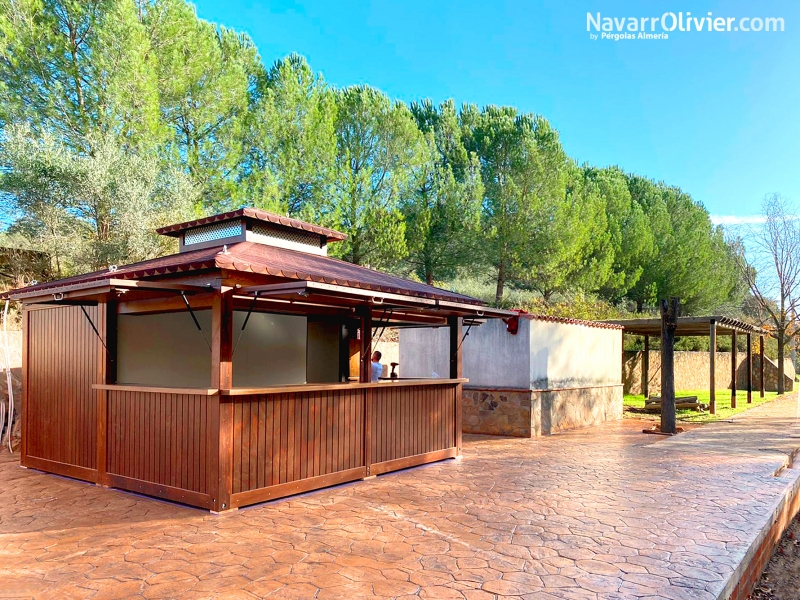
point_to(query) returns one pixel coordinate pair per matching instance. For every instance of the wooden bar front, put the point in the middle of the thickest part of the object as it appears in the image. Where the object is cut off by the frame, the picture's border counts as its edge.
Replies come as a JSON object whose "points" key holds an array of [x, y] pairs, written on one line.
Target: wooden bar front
{"points": [[219, 448], [281, 443]]}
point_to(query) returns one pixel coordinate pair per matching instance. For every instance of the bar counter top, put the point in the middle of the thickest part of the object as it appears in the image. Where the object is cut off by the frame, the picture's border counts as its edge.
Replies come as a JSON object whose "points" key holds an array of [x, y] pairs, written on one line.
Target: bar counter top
{"points": [[280, 389]]}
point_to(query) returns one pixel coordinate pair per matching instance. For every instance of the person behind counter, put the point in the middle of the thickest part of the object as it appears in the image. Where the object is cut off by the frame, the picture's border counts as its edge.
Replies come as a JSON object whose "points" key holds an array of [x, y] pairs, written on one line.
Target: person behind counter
{"points": [[376, 368]]}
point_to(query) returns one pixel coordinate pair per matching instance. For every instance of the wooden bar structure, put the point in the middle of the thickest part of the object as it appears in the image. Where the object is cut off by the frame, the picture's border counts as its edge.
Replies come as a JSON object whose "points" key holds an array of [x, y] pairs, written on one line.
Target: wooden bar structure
{"points": [[704, 326], [216, 444]]}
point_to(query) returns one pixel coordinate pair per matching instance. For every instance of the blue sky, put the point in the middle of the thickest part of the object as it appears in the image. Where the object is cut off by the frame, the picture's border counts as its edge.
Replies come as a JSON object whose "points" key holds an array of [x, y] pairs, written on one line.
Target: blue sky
{"points": [[714, 113]]}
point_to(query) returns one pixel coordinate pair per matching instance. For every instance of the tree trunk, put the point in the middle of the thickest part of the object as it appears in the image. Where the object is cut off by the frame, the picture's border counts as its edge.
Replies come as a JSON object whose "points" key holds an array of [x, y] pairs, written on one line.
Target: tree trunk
{"points": [[781, 368], [669, 323], [501, 282]]}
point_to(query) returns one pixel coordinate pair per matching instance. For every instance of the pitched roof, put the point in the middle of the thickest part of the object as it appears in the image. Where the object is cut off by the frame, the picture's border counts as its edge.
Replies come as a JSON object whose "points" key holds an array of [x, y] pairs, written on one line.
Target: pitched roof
{"points": [[259, 215], [266, 260]]}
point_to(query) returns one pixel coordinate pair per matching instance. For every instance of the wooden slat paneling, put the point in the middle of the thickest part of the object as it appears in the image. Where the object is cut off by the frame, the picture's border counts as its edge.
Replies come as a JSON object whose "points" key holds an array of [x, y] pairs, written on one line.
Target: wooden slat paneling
{"points": [[161, 439], [283, 438], [61, 407], [411, 421]]}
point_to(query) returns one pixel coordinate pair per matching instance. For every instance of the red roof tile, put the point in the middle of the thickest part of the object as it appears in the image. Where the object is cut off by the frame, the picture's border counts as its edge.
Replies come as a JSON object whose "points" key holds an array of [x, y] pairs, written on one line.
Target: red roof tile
{"points": [[568, 321], [259, 215], [267, 260], [280, 262]]}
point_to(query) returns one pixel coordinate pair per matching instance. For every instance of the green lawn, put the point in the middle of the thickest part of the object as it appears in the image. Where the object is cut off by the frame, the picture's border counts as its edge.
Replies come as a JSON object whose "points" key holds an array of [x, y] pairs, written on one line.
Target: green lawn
{"points": [[634, 406]]}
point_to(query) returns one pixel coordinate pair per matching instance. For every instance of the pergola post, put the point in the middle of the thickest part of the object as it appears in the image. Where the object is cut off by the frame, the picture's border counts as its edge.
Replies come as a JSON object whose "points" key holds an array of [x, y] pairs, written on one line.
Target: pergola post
{"points": [[646, 368], [456, 325], [107, 372], [733, 369], [365, 368], [669, 323], [761, 366], [749, 368], [222, 379], [712, 360]]}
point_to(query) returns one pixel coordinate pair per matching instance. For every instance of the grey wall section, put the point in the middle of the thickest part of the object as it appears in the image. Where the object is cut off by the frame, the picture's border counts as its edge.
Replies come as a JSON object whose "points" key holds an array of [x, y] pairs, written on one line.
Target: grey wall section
{"points": [[164, 350], [542, 355], [271, 351], [167, 350], [323, 352], [493, 358], [423, 352]]}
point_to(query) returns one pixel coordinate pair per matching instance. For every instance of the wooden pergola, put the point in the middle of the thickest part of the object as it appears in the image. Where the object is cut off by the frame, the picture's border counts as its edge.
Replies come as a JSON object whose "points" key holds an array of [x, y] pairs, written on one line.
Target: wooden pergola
{"points": [[704, 326]]}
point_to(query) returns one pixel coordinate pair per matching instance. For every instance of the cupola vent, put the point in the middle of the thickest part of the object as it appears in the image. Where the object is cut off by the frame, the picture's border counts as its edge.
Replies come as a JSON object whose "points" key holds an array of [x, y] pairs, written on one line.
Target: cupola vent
{"points": [[256, 226]]}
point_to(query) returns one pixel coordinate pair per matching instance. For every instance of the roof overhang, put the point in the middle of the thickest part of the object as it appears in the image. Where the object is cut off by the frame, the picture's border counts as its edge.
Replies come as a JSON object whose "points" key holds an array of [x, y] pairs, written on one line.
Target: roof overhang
{"points": [[690, 326], [386, 308], [91, 292]]}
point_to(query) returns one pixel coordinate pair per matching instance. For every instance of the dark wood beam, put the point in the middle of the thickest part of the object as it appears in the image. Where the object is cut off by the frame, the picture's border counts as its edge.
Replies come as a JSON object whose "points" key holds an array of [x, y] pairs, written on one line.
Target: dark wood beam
{"points": [[456, 371], [173, 303], [733, 369], [749, 368], [669, 323], [222, 412], [646, 368], [365, 352], [761, 366], [712, 368]]}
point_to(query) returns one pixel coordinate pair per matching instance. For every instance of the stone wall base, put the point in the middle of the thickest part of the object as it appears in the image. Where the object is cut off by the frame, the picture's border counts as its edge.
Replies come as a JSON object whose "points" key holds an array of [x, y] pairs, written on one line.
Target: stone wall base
{"points": [[531, 413]]}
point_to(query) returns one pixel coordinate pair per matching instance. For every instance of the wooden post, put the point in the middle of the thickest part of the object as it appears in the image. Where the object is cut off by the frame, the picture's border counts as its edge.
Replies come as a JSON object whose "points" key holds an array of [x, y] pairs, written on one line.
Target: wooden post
{"points": [[761, 366], [669, 323], [364, 375], [733, 369], [646, 368], [456, 325], [221, 379], [712, 364], [456, 372], [26, 341], [622, 356], [107, 373], [365, 367], [749, 368]]}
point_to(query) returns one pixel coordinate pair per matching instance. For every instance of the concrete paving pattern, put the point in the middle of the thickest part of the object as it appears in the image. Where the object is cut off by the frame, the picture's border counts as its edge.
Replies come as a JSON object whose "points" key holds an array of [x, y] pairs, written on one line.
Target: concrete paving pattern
{"points": [[603, 513]]}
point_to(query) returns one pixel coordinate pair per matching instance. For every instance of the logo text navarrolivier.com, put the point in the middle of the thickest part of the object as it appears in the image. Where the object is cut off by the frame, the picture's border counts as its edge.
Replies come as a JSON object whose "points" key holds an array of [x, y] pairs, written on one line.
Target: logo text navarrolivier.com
{"points": [[686, 22]]}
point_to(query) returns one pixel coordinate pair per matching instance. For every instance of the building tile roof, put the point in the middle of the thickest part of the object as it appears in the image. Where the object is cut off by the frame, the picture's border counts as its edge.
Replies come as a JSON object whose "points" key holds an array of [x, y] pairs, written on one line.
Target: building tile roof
{"points": [[266, 260], [259, 215], [568, 321]]}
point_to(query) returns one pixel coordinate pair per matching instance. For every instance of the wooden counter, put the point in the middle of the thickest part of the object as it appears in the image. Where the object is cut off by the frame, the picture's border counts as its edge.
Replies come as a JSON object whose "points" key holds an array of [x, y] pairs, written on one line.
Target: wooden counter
{"points": [[280, 389]]}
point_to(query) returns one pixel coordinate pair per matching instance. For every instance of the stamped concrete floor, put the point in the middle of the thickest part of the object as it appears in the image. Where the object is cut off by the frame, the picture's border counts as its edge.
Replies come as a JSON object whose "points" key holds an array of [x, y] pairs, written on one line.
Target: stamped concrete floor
{"points": [[601, 513]]}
